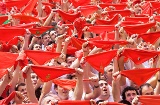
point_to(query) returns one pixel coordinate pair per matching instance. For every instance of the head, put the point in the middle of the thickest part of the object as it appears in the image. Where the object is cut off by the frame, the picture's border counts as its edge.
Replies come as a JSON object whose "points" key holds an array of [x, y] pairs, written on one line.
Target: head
{"points": [[62, 93], [48, 99], [146, 89], [104, 88], [46, 39], [129, 93], [37, 47], [21, 88], [70, 59], [53, 35], [108, 70], [34, 78]]}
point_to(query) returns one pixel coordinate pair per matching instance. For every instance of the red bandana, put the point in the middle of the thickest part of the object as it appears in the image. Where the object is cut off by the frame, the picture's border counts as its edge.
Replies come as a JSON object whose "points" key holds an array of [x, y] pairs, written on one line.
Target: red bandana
{"points": [[47, 73], [139, 56], [36, 56], [140, 76], [101, 63]]}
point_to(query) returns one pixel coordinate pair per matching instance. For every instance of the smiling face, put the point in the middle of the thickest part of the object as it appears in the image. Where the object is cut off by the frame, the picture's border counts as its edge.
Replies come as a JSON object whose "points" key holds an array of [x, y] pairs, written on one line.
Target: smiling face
{"points": [[104, 88]]}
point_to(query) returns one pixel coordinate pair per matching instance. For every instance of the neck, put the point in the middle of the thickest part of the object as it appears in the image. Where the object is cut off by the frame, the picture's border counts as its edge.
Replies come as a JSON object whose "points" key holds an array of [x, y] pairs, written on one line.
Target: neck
{"points": [[101, 97]]}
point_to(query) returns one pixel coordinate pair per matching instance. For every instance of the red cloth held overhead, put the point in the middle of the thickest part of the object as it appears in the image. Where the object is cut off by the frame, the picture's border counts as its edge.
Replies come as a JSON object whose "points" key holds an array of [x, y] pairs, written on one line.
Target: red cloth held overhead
{"points": [[106, 44], [77, 3], [137, 19], [77, 42], [126, 23], [149, 99], [25, 18], [101, 28], [88, 10], [139, 28], [47, 73], [10, 33], [121, 6], [101, 63], [36, 56], [139, 76], [18, 3], [7, 59], [3, 19], [40, 30], [107, 36], [65, 83], [68, 18], [29, 7], [123, 13], [112, 21], [71, 50], [139, 56], [3, 72], [150, 37]]}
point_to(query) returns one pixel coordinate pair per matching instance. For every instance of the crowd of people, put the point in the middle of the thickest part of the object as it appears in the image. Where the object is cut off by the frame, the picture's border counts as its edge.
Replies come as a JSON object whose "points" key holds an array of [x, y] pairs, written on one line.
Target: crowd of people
{"points": [[81, 52]]}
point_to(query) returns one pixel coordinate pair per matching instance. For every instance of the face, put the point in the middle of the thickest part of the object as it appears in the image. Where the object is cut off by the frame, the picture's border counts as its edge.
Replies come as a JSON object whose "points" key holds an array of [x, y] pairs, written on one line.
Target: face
{"points": [[63, 93], [130, 94], [147, 90], [104, 88], [49, 100], [23, 90], [34, 78], [46, 39], [37, 47], [108, 71], [53, 35], [70, 60]]}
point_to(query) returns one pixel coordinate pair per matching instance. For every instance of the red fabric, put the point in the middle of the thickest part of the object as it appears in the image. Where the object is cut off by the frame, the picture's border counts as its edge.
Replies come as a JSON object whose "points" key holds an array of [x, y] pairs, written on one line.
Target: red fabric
{"points": [[121, 6], [77, 43], [3, 19], [4, 94], [148, 9], [100, 61], [107, 36], [79, 24], [47, 73], [123, 13], [29, 104], [8, 59], [149, 99], [106, 44], [7, 46], [3, 72], [101, 28], [150, 37], [65, 83], [10, 33], [25, 18], [22, 59], [18, 3], [3, 8], [8, 99], [137, 19], [68, 18], [71, 50], [140, 76], [112, 21], [36, 56], [126, 23], [106, 1], [77, 3], [27, 26], [139, 28], [139, 56], [74, 102], [40, 30], [29, 7], [88, 10]]}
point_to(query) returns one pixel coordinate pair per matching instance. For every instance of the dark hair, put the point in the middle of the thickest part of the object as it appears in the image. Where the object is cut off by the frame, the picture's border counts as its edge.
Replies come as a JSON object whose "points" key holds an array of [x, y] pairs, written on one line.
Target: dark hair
{"points": [[127, 89], [125, 102], [18, 85], [38, 92], [141, 87]]}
